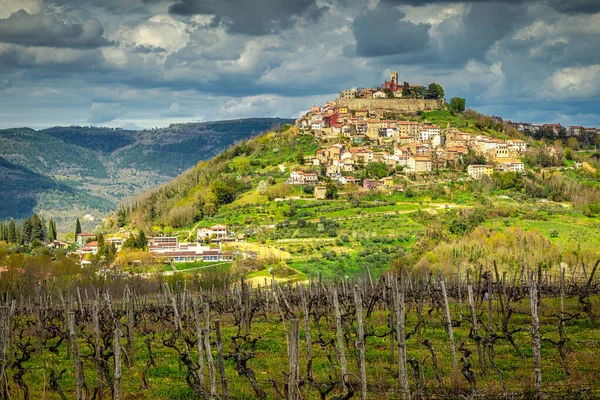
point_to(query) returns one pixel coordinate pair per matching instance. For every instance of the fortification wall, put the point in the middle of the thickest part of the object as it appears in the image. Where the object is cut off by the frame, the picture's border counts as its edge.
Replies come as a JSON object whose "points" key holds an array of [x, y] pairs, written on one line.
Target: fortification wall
{"points": [[403, 105]]}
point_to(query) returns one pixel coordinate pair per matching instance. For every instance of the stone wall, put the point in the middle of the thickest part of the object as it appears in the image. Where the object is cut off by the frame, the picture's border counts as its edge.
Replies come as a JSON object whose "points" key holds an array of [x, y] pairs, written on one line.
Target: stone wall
{"points": [[403, 105]]}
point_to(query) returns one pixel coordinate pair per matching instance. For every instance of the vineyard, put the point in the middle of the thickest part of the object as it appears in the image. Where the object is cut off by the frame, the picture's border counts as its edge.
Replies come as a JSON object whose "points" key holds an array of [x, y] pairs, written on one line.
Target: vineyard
{"points": [[485, 333]]}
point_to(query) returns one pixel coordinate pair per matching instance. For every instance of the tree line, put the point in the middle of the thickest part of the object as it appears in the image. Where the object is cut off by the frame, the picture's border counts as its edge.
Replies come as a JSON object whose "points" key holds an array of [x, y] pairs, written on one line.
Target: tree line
{"points": [[34, 229]]}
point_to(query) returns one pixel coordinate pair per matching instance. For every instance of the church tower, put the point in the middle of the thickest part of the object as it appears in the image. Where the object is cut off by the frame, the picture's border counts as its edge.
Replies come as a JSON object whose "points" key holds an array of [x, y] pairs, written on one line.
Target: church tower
{"points": [[394, 77]]}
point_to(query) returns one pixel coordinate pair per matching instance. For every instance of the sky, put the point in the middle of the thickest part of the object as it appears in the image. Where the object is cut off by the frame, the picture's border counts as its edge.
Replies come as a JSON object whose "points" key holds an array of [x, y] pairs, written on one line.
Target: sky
{"points": [[149, 63]]}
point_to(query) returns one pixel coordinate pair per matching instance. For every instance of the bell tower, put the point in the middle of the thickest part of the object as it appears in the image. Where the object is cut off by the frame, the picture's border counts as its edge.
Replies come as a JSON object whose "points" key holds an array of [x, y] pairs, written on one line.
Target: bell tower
{"points": [[394, 77]]}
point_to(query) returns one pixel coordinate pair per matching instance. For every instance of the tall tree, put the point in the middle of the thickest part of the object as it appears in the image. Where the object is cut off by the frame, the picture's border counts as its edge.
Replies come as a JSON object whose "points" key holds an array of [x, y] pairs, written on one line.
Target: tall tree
{"points": [[27, 230], [142, 241], [77, 227], [12, 232], [37, 228], [51, 230], [18, 237], [405, 89]]}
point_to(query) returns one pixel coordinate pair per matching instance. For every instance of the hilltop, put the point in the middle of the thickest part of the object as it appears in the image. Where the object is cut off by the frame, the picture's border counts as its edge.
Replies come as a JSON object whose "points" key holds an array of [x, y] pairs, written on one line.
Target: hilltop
{"points": [[65, 172], [310, 200]]}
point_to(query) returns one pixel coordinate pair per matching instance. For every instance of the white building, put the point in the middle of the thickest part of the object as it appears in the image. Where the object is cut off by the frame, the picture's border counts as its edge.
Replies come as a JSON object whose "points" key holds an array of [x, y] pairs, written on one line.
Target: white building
{"points": [[517, 145], [429, 131], [511, 166], [216, 231], [419, 164], [477, 171]]}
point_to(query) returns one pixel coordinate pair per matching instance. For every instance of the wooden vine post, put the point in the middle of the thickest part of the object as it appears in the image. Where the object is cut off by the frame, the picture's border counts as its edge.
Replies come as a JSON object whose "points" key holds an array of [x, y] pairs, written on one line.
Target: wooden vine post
{"points": [[78, 375], [449, 330], [360, 343], [224, 390], [401, 336], [535, 336], [340, 338], [293, 388]]}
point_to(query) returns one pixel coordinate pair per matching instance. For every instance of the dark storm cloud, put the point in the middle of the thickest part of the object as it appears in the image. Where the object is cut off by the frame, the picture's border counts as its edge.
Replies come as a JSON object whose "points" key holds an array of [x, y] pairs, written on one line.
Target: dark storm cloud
{"points": [[471, 35], [141, 49], [112, 6], [576, 6], [383, 31], [48, 31], [562, 6], [252, 17]]}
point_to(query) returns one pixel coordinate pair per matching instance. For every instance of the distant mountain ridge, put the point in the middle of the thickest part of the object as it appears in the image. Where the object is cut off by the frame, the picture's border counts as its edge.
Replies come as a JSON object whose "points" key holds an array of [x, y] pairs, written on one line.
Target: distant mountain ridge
{"points": [[65, 172]]}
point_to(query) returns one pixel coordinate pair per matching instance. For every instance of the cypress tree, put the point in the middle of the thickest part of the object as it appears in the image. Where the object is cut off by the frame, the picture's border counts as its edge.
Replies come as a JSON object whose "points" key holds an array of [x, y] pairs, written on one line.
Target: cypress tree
{"points": [[54, 230], [18, 237], [2, 238], [77, 228], [45, 232], [27, 230], [12, 232], [142, 241], [51, 230], [37, 229]]}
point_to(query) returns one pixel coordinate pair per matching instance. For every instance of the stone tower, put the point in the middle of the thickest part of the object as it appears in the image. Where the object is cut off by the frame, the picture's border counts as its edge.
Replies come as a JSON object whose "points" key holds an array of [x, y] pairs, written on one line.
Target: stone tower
{"points": [[394, 77]]}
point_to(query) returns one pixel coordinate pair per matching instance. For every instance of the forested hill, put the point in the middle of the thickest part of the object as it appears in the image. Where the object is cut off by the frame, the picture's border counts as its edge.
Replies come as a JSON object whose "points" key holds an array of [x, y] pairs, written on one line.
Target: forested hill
{"points": [[65, 172]]}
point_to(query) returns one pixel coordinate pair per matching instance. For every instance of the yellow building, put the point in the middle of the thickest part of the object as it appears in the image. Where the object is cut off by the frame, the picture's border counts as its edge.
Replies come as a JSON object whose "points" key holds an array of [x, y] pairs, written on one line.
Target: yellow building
{"points": [[388, 181], [477, 171]]}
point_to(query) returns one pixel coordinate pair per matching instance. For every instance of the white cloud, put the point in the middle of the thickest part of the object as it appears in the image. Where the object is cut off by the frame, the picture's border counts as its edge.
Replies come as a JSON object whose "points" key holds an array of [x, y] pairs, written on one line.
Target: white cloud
{"points": [[575, 82], [10, 6], [159, 31], [105, 112]]}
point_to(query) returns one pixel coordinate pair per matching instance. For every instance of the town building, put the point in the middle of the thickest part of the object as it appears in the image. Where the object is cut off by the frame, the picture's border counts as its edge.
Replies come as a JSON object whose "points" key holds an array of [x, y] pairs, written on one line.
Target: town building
{"points": [[477, 171], [420, 164], [320, 192]]}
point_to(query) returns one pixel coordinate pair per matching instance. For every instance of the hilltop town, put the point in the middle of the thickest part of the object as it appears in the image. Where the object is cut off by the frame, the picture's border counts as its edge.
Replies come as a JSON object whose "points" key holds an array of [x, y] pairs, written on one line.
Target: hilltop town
{"points": [[391, 133]]}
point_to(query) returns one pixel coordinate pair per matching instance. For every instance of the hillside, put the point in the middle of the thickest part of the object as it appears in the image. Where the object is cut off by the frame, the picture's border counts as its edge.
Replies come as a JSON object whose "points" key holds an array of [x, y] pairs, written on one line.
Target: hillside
{"points": [[66, 172], [406, 218]]}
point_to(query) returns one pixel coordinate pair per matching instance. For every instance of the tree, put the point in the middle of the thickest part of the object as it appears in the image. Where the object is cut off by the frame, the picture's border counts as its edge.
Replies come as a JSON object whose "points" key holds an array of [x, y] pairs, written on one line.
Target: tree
{"points": [[405, 89], [573, 143], [27, 230], [434, 91], [37, 229], [300, 158], [331, 191], [142, 241], [121, 217], [457, 104], [77, 228], [224, 191], [376, 170], [568, 153], [52, 234], [12, 232]]}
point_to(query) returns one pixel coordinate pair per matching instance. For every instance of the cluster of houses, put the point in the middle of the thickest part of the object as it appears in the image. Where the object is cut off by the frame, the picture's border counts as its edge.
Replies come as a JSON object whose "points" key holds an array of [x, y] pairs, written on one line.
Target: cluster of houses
{"points": [[168, 248], [367, 136], [575, 130]]}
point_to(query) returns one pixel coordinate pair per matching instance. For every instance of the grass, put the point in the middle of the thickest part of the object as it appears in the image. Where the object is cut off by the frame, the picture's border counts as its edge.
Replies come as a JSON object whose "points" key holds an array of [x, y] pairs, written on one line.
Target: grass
{"points": [[564, 230], [198, 265], [167, 378]]}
